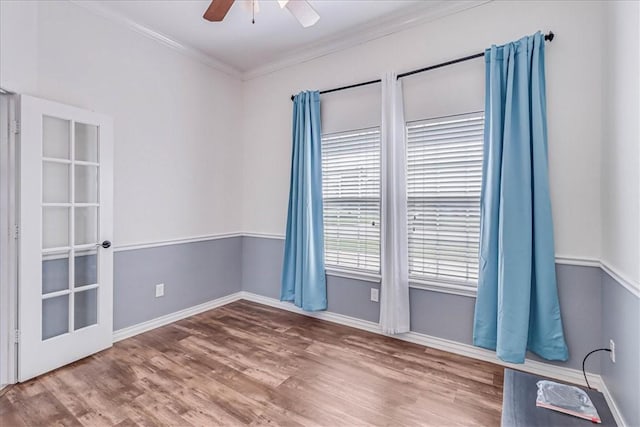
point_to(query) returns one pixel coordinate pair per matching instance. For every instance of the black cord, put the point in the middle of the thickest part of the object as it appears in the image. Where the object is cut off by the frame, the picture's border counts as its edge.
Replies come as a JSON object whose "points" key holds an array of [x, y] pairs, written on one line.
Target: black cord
{"points": [[585, 359]]}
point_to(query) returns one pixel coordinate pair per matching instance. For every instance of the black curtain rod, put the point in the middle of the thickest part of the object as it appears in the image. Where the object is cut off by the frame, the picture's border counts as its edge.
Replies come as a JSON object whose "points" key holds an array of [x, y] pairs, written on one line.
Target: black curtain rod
{"points": [[547, 37]]}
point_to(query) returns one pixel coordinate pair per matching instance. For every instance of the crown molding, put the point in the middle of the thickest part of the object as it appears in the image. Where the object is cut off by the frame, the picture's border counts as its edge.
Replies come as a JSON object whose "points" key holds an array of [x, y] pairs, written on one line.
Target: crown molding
{"points": [[363, 33], [163, 39]]}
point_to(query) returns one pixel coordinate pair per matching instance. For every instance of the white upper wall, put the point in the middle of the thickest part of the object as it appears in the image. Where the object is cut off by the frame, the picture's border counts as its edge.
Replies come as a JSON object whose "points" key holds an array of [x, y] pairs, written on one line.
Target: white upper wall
{"points": [[574, 101], [18, 46], [177, 145], [621, 142]]}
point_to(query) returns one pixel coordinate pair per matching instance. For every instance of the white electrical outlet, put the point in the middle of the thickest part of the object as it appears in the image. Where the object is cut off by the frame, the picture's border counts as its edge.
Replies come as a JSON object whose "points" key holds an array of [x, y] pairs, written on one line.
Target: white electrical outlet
{"points": [[612, 353], [159, 290], [375, 294]]}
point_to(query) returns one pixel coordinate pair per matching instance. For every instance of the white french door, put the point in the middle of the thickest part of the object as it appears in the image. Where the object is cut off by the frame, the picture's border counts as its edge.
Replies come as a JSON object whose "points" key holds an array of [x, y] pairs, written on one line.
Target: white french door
{"points": [[65, 286]]}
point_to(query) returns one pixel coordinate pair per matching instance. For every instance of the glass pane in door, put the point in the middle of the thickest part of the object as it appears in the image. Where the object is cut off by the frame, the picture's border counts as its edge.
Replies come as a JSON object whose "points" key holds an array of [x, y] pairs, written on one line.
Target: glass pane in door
{"points": [[56, 138], [55, 316], [55, 272], [86, 184], [86, 142], [55, 227], [85, 308], [86, 225], [55, 182], [85, 268]]}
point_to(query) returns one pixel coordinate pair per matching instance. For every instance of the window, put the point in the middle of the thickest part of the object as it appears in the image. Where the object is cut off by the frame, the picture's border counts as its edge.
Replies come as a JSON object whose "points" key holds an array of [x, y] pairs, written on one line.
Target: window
{"points": [[444, 174], [351, 198]]}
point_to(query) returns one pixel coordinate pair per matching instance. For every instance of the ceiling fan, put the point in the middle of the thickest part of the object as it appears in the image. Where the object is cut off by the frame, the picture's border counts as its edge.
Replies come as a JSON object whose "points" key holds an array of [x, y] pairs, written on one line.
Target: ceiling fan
{"points": [[300, 9]]}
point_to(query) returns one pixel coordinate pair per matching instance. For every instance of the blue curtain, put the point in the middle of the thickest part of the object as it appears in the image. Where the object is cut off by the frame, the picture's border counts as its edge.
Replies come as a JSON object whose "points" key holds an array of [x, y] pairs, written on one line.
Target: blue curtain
{"points": [[517, 306], [303, 275]]}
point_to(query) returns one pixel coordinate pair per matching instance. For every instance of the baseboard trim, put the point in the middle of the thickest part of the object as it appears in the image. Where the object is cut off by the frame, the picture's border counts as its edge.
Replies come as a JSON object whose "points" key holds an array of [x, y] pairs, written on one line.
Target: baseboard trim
{"points": [[322, 315], [139, 328], [615, 411]]}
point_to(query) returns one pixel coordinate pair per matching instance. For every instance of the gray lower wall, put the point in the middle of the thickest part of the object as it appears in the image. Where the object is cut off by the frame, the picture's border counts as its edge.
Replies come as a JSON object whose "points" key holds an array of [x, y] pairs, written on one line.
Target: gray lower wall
{"points": [[262, 266], [192, 273], [579, 289], [621, 323], [435, 313], [442, 315], [451, 316]]}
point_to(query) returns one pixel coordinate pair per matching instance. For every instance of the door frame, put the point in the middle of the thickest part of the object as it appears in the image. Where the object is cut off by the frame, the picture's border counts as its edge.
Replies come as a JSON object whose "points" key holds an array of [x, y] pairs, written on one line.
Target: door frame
{"points": [[9, 205]]}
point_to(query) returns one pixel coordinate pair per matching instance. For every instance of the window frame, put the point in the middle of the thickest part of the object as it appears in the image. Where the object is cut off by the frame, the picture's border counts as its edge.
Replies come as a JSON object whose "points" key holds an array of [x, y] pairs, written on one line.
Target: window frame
{"points": [[443, 285]]}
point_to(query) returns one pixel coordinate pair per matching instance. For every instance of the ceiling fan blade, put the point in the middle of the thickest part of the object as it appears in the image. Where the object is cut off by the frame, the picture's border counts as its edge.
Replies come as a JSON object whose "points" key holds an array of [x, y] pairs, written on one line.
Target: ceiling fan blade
{"points": [[217, 10], [303, 12]]}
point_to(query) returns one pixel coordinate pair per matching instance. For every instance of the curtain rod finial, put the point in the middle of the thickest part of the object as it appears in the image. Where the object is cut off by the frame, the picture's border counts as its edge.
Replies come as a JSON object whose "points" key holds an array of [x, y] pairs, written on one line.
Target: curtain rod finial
{"points": [[549, 36]]}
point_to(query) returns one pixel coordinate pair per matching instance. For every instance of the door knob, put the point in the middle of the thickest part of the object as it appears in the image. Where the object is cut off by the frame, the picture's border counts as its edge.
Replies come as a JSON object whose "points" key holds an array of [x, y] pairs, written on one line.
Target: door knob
{"points": [[106, 244]]}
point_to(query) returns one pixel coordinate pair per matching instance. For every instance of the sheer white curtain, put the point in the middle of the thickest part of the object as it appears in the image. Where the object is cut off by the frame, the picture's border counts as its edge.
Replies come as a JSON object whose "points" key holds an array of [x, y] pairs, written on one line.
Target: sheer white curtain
{"points": [[394, 302]]}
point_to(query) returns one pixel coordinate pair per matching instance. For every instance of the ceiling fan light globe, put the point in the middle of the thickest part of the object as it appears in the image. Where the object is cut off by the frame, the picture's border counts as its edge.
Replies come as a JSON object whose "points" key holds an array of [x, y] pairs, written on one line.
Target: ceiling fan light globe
{"points": [[251, 6], [303, 12]]}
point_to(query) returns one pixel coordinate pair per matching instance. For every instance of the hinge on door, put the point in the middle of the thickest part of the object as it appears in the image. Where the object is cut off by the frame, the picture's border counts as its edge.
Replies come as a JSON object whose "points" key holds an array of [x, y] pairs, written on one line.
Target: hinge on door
{"points": [[16, 336], [14, 127], [16, 232]]}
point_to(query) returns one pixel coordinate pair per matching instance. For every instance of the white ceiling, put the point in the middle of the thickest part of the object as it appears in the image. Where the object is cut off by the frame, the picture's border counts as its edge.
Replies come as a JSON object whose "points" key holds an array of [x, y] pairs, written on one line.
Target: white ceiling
{"points": [[276, 34]]}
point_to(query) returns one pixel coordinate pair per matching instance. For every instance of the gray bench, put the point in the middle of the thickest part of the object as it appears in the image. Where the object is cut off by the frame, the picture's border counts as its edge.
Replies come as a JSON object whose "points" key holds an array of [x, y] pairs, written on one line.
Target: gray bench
{"points": [[519, 405]]}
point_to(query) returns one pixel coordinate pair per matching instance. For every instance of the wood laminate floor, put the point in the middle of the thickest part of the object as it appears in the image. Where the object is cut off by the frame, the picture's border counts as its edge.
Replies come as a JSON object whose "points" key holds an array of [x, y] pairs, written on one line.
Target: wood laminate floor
{"points": [[249, 364]]}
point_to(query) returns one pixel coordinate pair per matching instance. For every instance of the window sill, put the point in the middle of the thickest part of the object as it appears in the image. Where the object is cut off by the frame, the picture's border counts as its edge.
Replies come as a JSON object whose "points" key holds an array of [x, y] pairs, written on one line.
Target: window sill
{"points": [[447, 288], [434, 286], [355, 275]]}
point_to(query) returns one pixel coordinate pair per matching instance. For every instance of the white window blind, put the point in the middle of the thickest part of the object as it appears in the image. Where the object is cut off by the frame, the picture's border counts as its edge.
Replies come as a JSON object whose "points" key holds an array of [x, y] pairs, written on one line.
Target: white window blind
{"points": [[351, 199], [444, 175]]}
